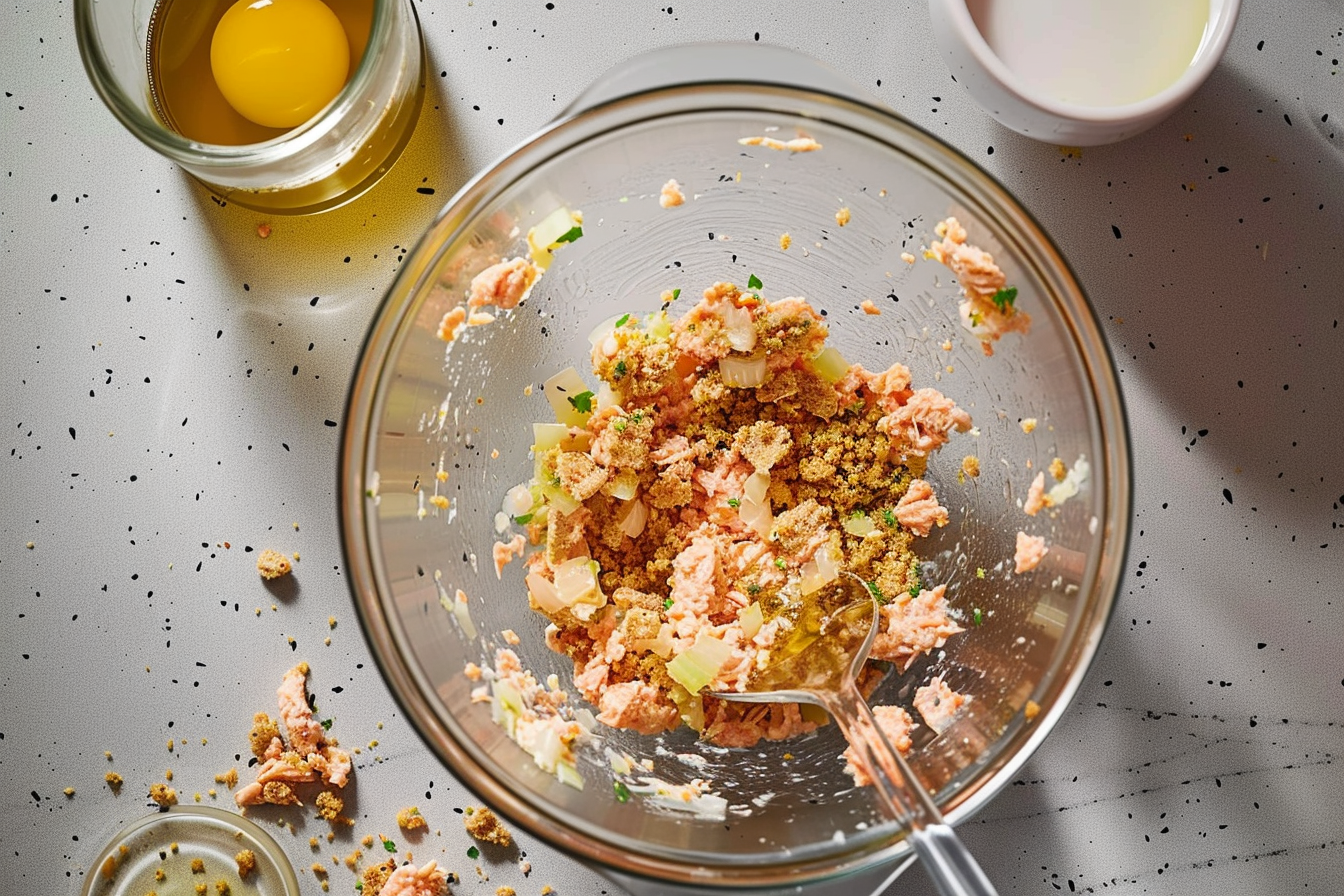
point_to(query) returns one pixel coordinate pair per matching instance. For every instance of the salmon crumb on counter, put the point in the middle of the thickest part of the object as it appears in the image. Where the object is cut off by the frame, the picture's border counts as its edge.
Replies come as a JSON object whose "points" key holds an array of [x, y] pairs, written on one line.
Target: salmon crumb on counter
{"points": [[428, 880], [1036, 500], [733, 455], [1030, 551], [671, 196], [482, 824], [797, 144], [869, 308], [306, 757], [410, 819], [273, 564], [452, 322], [503, 285]]}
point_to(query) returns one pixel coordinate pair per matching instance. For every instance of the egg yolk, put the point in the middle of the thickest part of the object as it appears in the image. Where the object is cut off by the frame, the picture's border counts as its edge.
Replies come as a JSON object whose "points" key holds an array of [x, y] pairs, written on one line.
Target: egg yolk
{"points": [[278, 62]]}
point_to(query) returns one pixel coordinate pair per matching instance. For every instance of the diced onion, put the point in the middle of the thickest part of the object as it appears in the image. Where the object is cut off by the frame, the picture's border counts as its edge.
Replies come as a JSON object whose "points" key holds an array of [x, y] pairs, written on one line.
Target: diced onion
{"points": [[658, 325], [830, 365], [751, 619], [542, 236], [861, 525], [742, 373], [518, 500], [817, 572], [507, 706], [576, 581], [546, 436], [603, 330], [543, 593], [623, 486], [739, 328], [568, 773], [559, 498], [560, 388], [661, 645], [756, 516], [757, 485], [634, 518], [606, 397], [462, 613], [1073, 480], [501, 523], [697, 666]]}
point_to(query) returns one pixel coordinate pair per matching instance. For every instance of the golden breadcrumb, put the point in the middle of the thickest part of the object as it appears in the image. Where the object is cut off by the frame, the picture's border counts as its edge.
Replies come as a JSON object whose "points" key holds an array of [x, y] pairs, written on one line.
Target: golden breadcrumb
{"points": [[485, 826], [114, 781], [375, 876], [410, 819], [197, 866], [264, 730], [272, 564], [163, 794], [229, 778], [247, 862]]}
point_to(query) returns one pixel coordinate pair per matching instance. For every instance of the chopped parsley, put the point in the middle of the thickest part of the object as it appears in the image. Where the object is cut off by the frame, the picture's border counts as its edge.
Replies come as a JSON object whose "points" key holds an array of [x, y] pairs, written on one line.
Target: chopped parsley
{"points": [[389, 845], [753, 282], [779, 562], [876, 592], [620, 369], [326, 724], [976, 616], [359, 885], [1004, 298], [753, 588], [622, 792], [667, 603], [915, 587], [734, 502], [979, 572], [570, 235], [523, 519], [676, 292], [619, 425], [583, 402], [622, 320], [637, 416], [888, 517], [857, 514], [473, 852]]}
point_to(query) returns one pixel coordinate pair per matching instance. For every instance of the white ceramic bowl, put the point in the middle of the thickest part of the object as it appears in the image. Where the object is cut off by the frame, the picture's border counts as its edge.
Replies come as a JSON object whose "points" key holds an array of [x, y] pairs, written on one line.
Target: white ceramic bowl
{"points": [[1018, 105]]}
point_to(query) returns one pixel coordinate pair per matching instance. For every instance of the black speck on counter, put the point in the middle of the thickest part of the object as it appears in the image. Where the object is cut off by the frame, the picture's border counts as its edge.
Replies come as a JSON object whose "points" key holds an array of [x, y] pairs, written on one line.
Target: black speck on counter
{"points": [[1115, 230], [1227, 495]]}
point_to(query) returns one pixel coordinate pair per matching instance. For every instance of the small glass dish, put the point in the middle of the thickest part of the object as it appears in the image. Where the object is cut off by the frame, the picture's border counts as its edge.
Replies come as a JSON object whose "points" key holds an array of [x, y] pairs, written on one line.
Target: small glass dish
{"points": [[158, 853], [327, 161]]}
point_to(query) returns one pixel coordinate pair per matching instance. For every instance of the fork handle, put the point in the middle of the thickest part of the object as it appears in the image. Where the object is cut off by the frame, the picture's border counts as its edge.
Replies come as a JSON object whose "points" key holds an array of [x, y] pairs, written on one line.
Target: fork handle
{"points": [[948, 863]]}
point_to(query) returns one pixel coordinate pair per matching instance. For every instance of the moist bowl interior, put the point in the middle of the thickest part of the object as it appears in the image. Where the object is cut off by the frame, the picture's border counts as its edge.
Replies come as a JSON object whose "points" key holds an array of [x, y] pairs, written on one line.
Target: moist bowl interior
{"points": [[418, 406]]}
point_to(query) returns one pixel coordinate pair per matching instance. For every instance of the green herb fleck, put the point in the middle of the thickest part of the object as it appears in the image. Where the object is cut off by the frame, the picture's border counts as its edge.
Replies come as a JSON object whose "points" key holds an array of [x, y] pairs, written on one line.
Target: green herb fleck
{"points": [[637, 416], [779, 563], [857, 514], [979, 572], [368, 493], [619, 425], [622, 792], [734, 502], [620, 369], [622, 320], [359, 885], [523, 519], [876, 592], [389, 845], [753, 588], [583, 402], [667, 603], [1004, 298], [977, 617], [675, 293], [915, 587], [570, 235], [888, 517], [753, 282], [976, 319], [473, 852], [326, 724]]}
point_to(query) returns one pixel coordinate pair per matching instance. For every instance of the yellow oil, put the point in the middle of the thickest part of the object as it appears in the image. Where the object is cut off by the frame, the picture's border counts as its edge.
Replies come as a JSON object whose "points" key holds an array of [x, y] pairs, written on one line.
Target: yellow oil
{"points": [[183, 86]]}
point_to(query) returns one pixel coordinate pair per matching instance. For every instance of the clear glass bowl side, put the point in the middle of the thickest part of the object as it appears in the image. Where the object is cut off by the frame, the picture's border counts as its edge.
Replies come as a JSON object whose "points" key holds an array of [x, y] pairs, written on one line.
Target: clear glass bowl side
{"points": [[796, 815]]}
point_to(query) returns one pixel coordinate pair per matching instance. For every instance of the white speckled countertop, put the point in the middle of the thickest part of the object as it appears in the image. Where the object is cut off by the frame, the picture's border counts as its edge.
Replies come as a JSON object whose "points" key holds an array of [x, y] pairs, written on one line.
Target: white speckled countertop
{"points": [[171, 385]]}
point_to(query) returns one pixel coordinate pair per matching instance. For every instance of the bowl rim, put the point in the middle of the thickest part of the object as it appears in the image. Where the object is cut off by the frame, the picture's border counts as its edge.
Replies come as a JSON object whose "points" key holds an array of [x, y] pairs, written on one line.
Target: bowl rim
{"points": [[364, 406]]}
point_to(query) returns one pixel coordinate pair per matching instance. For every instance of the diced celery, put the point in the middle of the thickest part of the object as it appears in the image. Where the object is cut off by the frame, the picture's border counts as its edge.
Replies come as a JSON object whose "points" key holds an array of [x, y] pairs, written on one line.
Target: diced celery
{"points": [[546, 436], [830, 365], [568, 773], [751, 619], [563, 391], [697, 666]]}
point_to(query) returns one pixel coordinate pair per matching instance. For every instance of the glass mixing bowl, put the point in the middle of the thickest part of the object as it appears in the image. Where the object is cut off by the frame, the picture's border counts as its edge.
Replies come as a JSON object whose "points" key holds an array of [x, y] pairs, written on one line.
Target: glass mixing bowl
{"points": [[418, 407]]}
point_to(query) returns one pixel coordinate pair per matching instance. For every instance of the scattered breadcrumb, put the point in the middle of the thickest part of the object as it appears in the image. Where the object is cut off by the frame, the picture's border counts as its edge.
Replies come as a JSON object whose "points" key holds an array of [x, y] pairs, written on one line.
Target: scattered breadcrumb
{"points": [[510, 636], [367, 842], [222, 887], [506, 891], [869, 308], [168, 774], [410, 819], [375, 876], [451, 323], [907, 258], [247, 862], [1058, 470], [202, 889], [159, 874], [439, 501], [842, 216], [1029, 425], [272, 564], [352, 860], [797, 144], [329, 807], [671, 195], [163, 794], [785, 241], [229, 779], [69, 791], [485, 826], [1031, 710], [970, 465], [318, 869], [197, 866]]}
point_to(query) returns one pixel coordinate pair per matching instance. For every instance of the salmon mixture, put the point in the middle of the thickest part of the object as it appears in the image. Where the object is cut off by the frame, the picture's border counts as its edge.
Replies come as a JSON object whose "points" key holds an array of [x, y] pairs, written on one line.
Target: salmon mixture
{"points": [[729, 465]]}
